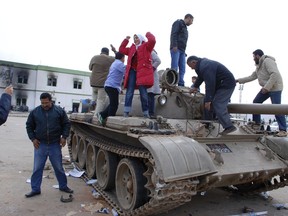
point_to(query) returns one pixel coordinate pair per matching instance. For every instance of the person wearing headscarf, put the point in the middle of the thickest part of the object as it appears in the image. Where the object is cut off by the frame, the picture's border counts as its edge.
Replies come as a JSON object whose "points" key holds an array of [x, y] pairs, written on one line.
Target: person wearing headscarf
{"points": [[139, 69]]}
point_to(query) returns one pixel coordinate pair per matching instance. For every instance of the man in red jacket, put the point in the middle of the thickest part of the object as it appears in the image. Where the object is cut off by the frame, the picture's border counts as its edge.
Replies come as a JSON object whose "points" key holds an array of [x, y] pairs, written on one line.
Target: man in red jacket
{"points": [[139, 70]]}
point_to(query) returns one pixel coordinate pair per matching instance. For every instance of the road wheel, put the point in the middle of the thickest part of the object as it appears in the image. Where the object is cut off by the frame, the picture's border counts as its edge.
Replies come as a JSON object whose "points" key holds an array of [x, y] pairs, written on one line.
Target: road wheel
{"points": [[130, 182], [106, 164], [91, 154], [82, 153]]}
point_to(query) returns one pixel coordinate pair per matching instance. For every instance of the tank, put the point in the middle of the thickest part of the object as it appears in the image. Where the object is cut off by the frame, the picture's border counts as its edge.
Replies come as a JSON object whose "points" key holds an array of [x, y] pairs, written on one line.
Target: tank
{"points": [[150, 166]]}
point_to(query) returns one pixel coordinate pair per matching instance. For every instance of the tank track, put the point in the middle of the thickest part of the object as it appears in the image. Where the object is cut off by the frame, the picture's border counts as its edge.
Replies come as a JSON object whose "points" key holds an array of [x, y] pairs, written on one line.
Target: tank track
{"points": [[163, 197]]}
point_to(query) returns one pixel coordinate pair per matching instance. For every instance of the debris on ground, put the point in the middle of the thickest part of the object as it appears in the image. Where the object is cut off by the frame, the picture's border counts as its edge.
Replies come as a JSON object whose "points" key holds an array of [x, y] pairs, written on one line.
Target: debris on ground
{"points": [[266, 196], [103, 210], [280, 206], [91, 181], [66, 200], [76, 173]]}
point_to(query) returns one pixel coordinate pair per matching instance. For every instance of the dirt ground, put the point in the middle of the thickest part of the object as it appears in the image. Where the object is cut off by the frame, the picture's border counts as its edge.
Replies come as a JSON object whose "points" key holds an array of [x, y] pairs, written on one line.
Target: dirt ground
{"points": [[16, 161]]}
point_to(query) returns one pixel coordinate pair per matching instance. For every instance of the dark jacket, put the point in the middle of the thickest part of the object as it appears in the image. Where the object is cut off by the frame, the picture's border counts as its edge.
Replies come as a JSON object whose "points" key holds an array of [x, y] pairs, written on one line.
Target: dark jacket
{"points": [[215, 75], [5, 106], [48, 126], [179, 35]]}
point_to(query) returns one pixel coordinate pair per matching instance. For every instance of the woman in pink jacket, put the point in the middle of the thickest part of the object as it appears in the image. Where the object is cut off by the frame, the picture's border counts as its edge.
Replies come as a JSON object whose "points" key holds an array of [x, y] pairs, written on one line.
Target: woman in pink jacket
{"points": [[139, 70]]}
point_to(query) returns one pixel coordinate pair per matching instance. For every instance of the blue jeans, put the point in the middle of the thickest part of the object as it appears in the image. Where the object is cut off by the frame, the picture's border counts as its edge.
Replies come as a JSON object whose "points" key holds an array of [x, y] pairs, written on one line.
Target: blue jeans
{"points": [[130, 93], [219, 103], [275, 99], [178, 59], [151, 103], [40, 158]]}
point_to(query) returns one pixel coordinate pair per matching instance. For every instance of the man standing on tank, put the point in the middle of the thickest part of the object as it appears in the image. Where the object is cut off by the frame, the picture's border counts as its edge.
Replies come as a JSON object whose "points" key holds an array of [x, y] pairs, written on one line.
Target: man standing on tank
{"points": [[178, 43], [48, 128], [271, 83], [99, 65]]}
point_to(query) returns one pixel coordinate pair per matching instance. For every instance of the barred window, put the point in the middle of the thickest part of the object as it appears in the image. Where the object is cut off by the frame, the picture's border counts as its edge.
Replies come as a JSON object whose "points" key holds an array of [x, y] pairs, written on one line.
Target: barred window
{"points": [[52, 81], [77, 84]]}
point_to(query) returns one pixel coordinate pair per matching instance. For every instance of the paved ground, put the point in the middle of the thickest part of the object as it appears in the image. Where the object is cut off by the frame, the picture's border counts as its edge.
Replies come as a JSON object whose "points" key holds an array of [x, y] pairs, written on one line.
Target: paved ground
{"points": [[16, 159]]}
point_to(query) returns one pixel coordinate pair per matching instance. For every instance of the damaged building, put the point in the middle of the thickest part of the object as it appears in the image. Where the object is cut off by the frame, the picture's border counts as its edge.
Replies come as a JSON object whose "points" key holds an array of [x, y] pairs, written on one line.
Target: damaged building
{"points": [[66, 86]]}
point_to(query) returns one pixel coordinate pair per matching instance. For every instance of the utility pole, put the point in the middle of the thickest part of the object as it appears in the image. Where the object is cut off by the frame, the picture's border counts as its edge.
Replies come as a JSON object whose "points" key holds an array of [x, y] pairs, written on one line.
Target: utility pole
{"points": [[241, 87]]}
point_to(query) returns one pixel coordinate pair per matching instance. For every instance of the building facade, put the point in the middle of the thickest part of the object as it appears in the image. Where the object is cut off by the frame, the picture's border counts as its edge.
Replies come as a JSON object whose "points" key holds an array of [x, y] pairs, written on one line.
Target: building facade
{"points": [[66, 86]]}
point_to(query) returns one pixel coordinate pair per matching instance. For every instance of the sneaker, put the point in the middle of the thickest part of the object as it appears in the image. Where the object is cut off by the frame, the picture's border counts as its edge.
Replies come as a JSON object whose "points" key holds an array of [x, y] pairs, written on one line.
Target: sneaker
{"points": [[100, 119], [228, 130], [281, 134]]}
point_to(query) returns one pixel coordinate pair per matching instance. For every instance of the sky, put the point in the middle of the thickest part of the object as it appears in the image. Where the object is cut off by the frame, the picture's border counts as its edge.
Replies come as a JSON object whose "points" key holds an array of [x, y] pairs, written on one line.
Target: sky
{"points": [[68, 33]]}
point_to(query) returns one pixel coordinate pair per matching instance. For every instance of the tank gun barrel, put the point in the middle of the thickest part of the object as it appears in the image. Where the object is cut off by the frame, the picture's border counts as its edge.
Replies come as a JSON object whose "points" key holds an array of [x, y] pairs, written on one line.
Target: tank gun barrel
{"points": [[274, 109]]}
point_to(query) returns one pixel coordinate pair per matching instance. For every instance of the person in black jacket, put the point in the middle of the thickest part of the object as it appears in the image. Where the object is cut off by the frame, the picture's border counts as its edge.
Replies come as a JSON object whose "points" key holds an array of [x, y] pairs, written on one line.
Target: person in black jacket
{"points": [[48, 128], [178, 42], [5, 104], [219, 86]]}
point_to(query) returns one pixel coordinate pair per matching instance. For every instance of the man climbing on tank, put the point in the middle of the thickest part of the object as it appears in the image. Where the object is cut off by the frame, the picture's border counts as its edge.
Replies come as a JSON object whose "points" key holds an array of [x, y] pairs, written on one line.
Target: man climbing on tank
{"points": [[219, 86]]}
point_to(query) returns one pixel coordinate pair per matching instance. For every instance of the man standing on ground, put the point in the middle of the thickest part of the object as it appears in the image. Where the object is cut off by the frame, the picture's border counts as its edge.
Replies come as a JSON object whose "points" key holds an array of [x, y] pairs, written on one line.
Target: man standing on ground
{"points": [[5, 104], [219, 86], [270, 80], [48, 128], [178, 42], [99, 65]]}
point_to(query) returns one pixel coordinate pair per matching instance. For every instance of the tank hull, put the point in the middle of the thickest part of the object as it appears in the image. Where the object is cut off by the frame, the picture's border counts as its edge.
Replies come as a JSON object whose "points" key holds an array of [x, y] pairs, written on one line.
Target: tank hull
{"points": [[149, 166]]}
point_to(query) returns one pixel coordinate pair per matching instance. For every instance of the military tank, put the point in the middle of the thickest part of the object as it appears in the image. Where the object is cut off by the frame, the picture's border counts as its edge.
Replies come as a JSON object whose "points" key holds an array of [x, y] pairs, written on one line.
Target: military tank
{"points": [[150, 166]]}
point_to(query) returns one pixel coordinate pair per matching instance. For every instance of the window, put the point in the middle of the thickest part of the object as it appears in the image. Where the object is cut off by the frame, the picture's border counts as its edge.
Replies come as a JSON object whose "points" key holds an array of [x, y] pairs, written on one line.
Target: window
{"points": [[52, 81], [22, 79], [21, 101], [77, 84]]}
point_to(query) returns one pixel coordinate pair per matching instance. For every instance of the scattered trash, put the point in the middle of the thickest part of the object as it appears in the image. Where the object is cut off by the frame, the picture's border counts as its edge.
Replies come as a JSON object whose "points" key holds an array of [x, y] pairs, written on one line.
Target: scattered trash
{"points": [[65, 200], [71, 213], [280, 206], [91, 181], [28, 181], [47, 167], [114, 212], [247, 209], [103, 210], [266, 195], [203, 193], [263, 213], [92, 207], [76, 173], [48, 177], [95, 194], [56, 186]]}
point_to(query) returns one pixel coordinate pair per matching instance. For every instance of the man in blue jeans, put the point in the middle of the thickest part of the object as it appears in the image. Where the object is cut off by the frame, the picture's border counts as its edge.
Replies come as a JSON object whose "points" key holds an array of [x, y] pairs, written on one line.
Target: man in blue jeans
{"points": [[271, 84], [178, 42], [47, 127], [219, 86]]}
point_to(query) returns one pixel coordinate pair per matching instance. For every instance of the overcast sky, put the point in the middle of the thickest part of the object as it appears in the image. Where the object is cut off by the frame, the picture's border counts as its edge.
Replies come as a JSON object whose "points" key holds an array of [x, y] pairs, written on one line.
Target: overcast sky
{"points": [[67, 33]]}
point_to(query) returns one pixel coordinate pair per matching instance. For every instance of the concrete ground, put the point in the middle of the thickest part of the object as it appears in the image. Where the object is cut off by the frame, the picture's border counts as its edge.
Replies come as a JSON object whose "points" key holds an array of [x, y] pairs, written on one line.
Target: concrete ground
{"points": [[16, 161]]}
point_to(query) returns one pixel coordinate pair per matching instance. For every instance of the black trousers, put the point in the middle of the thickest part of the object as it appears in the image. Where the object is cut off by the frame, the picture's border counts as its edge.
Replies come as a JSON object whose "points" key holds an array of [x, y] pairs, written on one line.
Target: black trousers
{"points": [[111, 109]]}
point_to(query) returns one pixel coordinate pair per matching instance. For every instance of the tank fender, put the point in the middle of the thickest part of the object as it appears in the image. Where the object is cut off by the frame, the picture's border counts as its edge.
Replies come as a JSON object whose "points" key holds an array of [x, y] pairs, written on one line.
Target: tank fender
{"points": [[178, 157], [279, 145]]}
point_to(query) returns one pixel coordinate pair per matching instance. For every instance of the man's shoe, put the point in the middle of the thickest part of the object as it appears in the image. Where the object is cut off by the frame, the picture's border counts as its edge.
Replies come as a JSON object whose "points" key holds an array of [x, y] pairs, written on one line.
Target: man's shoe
{"points": [[66, 190], [228, 130], [281, 134], [32, 193]]}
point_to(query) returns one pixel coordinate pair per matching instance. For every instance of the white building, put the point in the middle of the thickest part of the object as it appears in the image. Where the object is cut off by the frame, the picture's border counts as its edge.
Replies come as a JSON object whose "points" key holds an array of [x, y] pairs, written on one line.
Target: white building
{"points": [[66, 86]]}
